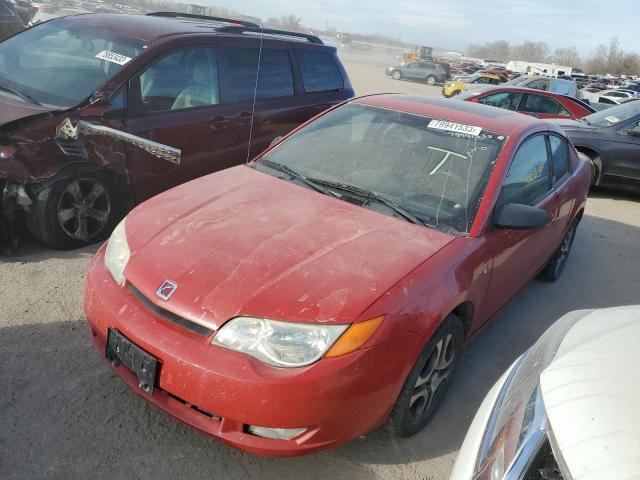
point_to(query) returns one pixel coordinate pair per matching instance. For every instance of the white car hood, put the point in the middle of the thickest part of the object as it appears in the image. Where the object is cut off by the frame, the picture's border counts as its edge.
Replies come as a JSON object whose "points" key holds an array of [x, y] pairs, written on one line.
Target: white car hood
{"points": [[591, 392]]}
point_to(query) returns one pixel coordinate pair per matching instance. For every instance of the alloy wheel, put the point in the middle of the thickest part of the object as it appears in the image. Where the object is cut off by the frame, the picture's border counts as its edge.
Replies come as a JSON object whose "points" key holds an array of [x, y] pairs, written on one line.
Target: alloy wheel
{"points": [[84, 209]]}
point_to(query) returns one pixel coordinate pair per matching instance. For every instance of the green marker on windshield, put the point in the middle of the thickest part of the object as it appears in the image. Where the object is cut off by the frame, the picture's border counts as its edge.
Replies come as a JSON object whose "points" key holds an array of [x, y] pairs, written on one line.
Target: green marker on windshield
{"points": [[444, 160]]}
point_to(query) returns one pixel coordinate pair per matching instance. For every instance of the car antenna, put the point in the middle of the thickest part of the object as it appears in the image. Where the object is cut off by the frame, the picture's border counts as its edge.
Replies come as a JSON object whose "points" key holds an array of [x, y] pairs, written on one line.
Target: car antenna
{"points": [[255, 93]]}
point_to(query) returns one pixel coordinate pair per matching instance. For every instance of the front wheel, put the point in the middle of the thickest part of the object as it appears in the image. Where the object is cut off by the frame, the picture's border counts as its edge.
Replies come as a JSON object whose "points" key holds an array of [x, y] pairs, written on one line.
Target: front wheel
{"points": [[396, 75], [428, 380], [554, 268], [431, 80], [75, 211]]}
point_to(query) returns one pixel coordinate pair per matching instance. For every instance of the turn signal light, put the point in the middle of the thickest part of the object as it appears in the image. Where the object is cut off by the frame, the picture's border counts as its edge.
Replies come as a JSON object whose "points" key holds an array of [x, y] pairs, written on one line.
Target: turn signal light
{"points": [[355, 337]]}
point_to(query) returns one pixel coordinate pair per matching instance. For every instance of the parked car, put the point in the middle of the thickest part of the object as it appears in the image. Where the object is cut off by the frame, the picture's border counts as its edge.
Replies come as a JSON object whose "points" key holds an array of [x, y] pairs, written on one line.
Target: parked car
{"points": [[565, 409], [328, 286], [14, 15], [611, 140], [546, 84], [457, 85], [429, 72], [532, 102], [72, 87]]}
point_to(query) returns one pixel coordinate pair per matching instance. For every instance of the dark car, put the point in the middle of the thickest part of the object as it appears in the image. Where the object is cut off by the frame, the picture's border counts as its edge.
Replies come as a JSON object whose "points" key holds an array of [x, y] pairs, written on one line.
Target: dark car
{"points": [[100, 112], [529, 101], [14, 16], [430, 72], [611, 139]]}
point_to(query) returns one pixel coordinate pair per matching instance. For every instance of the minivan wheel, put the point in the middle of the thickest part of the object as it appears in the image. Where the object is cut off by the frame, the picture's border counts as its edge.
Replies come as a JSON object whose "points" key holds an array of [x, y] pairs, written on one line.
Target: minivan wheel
{"points": [[431, 80], [554, 268], [428, 380], [396, 75], [75, 211]]}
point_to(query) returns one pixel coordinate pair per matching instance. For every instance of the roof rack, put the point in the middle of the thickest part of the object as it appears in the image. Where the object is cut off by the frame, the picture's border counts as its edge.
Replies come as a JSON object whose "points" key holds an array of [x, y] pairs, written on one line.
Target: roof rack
{"points": [[244, 23], [271, 31]]}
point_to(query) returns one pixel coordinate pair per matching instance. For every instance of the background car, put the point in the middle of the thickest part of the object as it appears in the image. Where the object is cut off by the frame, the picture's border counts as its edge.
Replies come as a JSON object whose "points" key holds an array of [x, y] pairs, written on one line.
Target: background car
{"points": [[341, 271], [458, 85], [567, 408], [611, 140], [14, 16], [546, 84], [429, 72], [532, 102], [178, 92]]}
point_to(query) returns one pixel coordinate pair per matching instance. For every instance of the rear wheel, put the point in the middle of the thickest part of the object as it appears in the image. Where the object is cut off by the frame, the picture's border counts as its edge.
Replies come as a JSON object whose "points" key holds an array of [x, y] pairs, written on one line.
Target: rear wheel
{"points": [[431, 80], [75, 211], [396, 75], [428, 380], [455, 92], [554, 268]]}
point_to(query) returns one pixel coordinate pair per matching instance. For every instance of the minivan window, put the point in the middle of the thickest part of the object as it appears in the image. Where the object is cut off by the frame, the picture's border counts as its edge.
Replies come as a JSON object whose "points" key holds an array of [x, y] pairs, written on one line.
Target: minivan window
{"points": [[185, 78], [275, 78], [529, 177], [61, 63], [319, 72]]}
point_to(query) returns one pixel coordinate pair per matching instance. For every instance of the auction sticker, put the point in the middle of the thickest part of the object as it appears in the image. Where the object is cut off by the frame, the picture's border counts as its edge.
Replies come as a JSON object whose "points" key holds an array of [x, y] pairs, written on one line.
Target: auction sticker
{"points": [[113, 57], [455, 127]]}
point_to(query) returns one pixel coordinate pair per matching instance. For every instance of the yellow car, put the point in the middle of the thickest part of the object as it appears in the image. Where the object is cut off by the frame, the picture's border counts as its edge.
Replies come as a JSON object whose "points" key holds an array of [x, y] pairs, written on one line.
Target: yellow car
{"points": [[456, 86]]}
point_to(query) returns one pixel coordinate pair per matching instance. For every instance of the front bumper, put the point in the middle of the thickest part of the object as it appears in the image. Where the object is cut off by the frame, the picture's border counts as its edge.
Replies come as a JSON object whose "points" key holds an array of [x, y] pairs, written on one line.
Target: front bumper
{"points": [[220, 392]]}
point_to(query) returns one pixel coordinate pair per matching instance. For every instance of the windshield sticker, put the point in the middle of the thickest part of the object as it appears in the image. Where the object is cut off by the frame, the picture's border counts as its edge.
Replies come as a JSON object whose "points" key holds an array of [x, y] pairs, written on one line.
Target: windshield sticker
{"points": [[612, 119], [455, 127], [113, 57], [447, 153]]}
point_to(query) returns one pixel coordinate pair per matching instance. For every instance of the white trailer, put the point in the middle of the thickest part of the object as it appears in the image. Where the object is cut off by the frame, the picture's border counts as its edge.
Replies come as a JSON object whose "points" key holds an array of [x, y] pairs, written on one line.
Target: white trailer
{"points": [[547, 69]]}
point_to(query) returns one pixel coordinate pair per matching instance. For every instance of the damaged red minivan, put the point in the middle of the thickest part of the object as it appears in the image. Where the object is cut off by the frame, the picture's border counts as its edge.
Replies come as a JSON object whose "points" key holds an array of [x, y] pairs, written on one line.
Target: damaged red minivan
{"points": [[297, 302], [99, 112]]}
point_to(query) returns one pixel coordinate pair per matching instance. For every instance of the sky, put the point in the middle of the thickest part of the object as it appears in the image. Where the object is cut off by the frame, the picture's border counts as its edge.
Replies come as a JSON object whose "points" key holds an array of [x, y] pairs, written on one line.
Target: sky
{"points": [[454, 24]]}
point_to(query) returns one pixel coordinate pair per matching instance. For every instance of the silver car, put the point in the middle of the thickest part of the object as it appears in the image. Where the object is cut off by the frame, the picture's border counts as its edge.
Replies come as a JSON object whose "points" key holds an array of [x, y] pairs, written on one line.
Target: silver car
{"points": [[429, 72]]}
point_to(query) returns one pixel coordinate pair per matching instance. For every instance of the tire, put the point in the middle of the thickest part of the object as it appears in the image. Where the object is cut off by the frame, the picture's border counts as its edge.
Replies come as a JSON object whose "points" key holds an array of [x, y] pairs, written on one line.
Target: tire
{"points": [[595, 171], [431, 80], [412, 410], [454, 93], [75, 211], [396, 75], [554, 268]]}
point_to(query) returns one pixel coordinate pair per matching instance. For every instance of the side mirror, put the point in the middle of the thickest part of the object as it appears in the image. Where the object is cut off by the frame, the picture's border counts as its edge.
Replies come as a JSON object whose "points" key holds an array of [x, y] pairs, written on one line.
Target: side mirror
{"points": [[97, 108], [521, 217], [634, 132], [275, 140]]}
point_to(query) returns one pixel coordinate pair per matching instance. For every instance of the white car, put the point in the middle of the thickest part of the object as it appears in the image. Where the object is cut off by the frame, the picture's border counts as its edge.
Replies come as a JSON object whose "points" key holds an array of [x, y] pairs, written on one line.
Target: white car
{"points": [[568, 409]]}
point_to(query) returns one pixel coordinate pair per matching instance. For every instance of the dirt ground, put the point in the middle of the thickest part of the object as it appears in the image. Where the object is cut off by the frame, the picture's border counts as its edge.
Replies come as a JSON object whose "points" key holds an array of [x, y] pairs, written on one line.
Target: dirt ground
{"points": [[64, 415]]}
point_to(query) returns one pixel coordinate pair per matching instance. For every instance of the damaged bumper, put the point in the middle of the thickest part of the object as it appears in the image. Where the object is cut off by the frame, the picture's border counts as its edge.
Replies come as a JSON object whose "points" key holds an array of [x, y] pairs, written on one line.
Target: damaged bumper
{"points": [[14, 203]]}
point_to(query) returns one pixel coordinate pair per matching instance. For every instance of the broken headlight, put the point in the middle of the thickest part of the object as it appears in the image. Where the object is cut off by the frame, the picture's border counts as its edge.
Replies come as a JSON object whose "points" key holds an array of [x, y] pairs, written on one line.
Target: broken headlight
{"points": [[117, 254]]}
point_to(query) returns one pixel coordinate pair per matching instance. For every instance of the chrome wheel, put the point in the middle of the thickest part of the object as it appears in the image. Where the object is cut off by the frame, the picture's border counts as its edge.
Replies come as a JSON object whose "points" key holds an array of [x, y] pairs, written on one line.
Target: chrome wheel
{"points": [[396, 75], [434, 375], [84, 209], [431, 80]]}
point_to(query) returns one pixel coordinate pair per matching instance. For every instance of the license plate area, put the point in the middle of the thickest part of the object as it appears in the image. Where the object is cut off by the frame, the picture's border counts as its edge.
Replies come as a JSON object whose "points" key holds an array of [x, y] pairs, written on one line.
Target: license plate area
{"points": [[122, 351]]}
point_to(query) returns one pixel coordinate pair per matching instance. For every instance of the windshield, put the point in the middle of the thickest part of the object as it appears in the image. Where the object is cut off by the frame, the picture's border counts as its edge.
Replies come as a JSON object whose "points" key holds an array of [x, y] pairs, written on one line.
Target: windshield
{"points": [[60, 63], [614, 115], [517, 80], [420, 164]]}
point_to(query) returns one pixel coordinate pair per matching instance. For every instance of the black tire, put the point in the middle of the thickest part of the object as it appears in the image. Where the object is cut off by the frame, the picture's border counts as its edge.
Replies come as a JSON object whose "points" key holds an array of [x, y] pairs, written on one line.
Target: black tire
{"points": [[554, 268], [396, 74], [595, 170], [76, 211], [431, 80], [454, 93], [411, 414]]}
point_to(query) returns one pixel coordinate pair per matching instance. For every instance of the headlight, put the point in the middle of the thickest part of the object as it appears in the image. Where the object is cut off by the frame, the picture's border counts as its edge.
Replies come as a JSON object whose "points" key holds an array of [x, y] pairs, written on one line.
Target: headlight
{"points": [[117, 255], [288, 344]]}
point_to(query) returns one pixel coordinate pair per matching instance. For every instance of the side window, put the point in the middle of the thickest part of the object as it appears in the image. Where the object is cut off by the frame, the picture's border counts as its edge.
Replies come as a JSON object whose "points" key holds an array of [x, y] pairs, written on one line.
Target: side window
{"points": [[529, 178], [185, 78], [494, 81], [541, 104], [509, 101], [276, 76], [538, 84], [117, 103], [319, 72], [559, 157]]}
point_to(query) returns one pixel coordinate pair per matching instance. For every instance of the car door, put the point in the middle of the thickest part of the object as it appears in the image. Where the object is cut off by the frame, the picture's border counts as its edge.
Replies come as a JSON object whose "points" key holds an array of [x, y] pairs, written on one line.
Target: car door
{"points": [[561, 166], [520, 254], [412, 71], [625, 161], [178, 102]]}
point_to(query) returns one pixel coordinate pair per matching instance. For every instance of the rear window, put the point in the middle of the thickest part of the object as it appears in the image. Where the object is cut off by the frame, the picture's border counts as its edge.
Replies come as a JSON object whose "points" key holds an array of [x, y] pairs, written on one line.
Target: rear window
{"points": [[319, 72]]}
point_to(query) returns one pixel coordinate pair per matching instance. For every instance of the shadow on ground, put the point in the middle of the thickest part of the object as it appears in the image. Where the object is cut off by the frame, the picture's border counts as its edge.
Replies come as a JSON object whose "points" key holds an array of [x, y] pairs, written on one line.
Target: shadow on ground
{"points": [[65, 415]]}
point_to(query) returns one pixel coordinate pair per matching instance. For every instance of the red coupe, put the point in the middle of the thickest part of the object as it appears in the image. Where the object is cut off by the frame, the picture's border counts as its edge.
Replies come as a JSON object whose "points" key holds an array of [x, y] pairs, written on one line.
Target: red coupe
{"points": [[297, 302], [532, 102]]}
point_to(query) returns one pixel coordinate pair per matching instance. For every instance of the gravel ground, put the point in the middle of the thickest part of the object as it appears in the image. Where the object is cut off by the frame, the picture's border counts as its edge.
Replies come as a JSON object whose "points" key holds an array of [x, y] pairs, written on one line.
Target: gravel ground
{"points": [[65, 415]]}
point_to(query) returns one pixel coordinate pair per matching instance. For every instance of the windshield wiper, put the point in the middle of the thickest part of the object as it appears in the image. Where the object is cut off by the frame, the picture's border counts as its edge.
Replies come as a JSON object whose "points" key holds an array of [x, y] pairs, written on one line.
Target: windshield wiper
{"points": [[23, 96], [376, 196], [293, 173]]}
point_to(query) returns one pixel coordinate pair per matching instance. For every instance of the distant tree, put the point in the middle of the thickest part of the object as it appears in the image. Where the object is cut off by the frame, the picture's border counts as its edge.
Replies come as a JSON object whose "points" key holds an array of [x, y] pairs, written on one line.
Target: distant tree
{"points": [[567, 56], [531, 51], [499, 50]]}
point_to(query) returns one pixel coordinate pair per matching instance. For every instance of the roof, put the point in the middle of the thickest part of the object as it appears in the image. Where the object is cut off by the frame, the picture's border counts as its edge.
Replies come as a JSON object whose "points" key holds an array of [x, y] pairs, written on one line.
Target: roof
{"points": [[591, 391], [489, 118], [152, 27]]}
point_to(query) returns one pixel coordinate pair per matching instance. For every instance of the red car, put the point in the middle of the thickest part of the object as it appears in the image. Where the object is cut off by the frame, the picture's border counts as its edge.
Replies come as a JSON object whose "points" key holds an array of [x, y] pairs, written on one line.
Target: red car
{"points": [[292, 304], [537, 103]]}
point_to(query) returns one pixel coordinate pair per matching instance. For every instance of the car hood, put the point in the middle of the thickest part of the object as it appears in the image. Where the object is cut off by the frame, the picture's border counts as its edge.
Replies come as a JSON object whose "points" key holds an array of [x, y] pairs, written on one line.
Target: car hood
{"points": [[569, 124], [11, 111], [241, 242], [590, 391], [470, 87]]}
